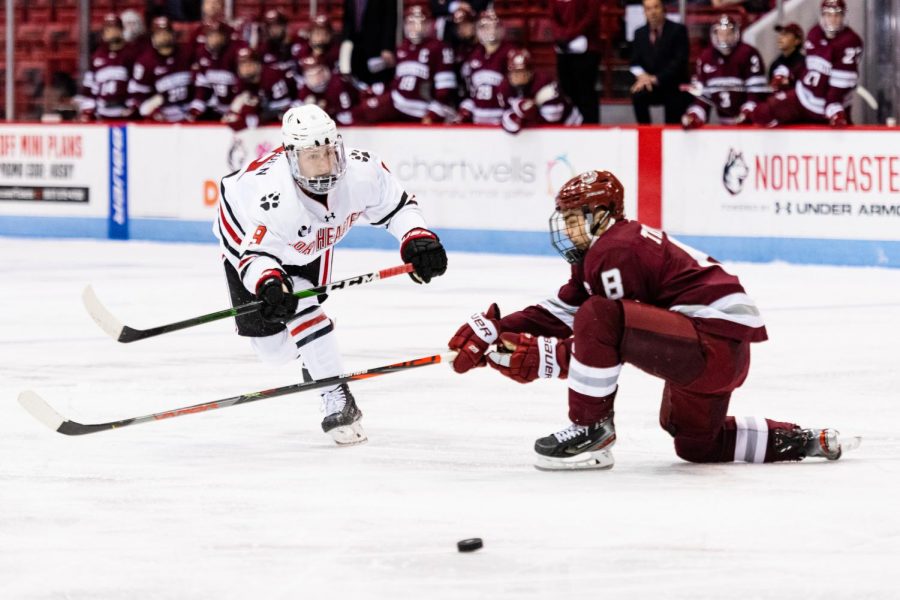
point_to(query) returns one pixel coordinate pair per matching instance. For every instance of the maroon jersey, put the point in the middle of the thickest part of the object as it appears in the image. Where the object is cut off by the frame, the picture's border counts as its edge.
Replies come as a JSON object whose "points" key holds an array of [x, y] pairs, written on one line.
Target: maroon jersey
{"points": [[339, 96], [740, 76], [485, 74], [424, 79], [215, 78], [832, 70], [538, 103], [278, 55], [196, 39], [327, 56], [105, 84], [633, 262], [162, 87], [261, 102]]}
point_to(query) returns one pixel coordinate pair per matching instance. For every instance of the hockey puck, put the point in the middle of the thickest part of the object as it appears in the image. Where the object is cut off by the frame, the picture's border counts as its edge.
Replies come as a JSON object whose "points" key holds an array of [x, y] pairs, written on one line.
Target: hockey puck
{"points": [[469, 545]]}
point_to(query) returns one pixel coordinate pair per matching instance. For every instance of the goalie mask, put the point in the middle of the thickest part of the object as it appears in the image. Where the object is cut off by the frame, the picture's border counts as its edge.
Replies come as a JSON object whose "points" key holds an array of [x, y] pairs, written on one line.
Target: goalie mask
{"points": [[314, 150], [586, 206], [832, 20], [725, 34]]}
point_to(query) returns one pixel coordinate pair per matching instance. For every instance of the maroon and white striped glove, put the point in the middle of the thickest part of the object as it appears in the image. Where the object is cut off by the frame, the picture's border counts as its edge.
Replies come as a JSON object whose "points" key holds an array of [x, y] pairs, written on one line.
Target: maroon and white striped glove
{"points": [[524, 357], [473, 339]]}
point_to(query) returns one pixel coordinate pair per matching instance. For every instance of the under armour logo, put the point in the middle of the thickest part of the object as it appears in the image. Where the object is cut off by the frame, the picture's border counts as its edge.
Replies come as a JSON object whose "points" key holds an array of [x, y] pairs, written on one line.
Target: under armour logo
{"points": [[329, 217]]}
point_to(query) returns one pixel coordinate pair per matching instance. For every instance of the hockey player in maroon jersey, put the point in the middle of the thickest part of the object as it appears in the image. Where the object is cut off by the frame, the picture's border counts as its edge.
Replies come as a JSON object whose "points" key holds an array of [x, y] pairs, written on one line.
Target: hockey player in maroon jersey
{"points": [[105, 85], [529, 98], [211, 11], [637, 296], [424, 85], [322, 43], [485, 71], [162, 82], [833, 52], [262, 94], [732, 75], [215, 74], [276, 49], [330, 91]]}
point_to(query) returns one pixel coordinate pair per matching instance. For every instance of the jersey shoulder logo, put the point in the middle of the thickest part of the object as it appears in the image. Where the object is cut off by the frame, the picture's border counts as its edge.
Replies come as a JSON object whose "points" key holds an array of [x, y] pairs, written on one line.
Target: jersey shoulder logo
{"points": [[270, 200], [360, 155]]}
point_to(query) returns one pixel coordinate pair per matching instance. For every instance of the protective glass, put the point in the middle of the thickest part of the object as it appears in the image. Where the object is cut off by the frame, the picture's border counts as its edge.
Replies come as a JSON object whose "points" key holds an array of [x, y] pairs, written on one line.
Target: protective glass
{"points": [[317, 169]]}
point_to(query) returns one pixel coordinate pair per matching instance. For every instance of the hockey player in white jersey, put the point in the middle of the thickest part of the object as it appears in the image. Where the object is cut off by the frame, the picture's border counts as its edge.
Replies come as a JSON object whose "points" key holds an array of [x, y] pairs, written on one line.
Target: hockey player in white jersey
{"points": [[278, 221]]}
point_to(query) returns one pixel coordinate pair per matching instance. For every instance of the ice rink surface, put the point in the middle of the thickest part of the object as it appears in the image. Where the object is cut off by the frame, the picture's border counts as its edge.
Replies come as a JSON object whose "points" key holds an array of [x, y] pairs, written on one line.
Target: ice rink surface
{"points": [[256, 502]]}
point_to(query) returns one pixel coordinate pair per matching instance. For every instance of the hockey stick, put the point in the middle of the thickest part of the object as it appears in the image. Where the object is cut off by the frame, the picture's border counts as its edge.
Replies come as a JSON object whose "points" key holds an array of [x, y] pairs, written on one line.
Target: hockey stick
{"points": [[699, 91], [125, 334], [43, 412]]}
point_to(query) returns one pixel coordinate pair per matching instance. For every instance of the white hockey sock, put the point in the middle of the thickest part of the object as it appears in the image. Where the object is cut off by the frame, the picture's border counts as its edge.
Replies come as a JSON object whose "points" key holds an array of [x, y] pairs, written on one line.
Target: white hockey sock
{"points": [[312, 332]]}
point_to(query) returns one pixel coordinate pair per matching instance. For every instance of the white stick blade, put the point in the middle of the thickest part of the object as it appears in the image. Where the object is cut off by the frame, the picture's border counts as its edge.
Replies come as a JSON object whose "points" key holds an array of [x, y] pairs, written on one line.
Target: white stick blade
{"points": [[99, 314], [40, 410]]}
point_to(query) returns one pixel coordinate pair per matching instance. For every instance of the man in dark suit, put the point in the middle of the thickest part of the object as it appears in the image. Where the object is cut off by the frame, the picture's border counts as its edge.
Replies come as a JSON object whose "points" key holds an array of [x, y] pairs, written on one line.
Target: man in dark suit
{"points": [[659, 63], [372, 27]]}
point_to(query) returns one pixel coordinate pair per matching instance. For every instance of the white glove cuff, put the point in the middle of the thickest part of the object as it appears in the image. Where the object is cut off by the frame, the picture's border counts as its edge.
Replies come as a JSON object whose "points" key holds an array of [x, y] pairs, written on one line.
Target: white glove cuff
{"points": [[549, 366], [483, 328]]}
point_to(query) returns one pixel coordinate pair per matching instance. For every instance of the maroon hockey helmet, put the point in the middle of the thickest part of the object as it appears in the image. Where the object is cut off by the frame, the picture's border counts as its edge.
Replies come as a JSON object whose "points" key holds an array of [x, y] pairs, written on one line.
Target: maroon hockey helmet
{"points": [[725, 34], [833, 14], [161, 24], [585, 205], [274, 16], [463, 14], [248, 54], [112, 20], [519, 60]]}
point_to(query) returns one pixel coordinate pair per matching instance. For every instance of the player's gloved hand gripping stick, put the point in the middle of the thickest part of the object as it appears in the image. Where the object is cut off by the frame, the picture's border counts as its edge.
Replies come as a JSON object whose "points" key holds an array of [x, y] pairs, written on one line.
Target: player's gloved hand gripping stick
{"points": [[125, 334]]}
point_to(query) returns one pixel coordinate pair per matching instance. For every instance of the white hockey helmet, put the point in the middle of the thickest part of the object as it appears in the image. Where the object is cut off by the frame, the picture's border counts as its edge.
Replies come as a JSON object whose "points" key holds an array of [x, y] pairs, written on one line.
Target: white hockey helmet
{"points": [[314, 150]]}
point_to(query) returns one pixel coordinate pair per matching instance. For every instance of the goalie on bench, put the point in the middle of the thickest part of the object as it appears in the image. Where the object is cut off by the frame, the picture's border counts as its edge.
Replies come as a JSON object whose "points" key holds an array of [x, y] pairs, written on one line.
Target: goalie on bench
{"points": [[637, 296], [279, 219]]}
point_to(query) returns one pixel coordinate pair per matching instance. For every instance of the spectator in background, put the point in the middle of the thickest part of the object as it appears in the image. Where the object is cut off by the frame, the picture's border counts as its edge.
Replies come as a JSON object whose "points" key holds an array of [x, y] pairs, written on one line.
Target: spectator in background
{"points": [[162, 83], [262, 94], [659, 63], [104, 92], [485, 73], [576, 29], [371, 26], [275, 47], [321, 44], [443, 11], [531, 99], [790, 65]]}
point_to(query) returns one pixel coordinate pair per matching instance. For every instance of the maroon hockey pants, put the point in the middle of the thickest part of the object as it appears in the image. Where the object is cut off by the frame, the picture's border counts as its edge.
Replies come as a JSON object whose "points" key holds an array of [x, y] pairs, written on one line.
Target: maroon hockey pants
{"points": [[783, 108], [700, 371]]}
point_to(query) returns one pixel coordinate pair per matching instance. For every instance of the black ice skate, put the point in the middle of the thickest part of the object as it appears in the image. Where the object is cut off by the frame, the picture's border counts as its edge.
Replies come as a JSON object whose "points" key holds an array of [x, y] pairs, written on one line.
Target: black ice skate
{"points": [[797, 444], [342, 417], [577, 447]]}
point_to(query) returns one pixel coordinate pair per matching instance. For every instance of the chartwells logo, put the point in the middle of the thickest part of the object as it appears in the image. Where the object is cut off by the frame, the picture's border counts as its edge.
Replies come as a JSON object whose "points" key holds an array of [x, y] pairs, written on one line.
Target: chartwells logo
{"points": [[511, 171]]}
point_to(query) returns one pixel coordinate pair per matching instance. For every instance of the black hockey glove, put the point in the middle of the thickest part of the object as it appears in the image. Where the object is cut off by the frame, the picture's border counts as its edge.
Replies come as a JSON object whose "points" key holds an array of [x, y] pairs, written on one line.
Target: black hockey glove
{"points": [[278, 305], [423, 249]]}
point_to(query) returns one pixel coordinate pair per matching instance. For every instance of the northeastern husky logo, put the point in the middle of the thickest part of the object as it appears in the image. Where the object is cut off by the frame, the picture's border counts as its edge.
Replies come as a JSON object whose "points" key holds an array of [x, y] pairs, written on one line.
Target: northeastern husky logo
{"points": [[735, 172]]}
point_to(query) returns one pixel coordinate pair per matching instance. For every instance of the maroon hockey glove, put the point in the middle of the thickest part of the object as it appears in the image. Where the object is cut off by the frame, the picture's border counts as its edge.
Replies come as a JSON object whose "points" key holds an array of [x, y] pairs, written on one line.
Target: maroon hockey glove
{"points": [[691, 121], [838, 120], [473, 339], [781, 83], [424, 250], [274, 288], [524, 357]]}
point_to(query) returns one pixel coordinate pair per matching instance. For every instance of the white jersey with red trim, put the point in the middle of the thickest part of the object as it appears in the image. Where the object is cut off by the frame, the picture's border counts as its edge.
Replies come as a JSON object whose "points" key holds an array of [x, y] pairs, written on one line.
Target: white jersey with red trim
{"points": [[266, 221]]}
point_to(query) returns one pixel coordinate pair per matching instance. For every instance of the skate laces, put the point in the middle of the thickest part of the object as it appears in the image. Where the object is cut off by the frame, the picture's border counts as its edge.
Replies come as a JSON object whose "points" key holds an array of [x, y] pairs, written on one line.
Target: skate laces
{"points": [[570, 432], [334, 401]]}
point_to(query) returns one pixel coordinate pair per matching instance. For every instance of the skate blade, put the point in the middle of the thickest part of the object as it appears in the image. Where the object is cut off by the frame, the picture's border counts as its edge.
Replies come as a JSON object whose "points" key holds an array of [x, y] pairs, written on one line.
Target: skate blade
{"points": [[349, 435], [598, 460]]}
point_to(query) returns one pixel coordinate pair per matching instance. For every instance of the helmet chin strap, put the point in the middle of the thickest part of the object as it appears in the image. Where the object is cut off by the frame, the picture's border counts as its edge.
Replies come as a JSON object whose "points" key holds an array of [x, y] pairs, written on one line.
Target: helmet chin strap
{"points": [[599, 225]]}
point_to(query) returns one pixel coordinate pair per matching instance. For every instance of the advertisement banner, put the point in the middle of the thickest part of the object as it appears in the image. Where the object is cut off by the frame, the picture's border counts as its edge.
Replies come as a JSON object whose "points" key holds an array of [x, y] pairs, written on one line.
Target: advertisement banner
{"points": [[59, 171], [468, 178], [815, 184]]}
